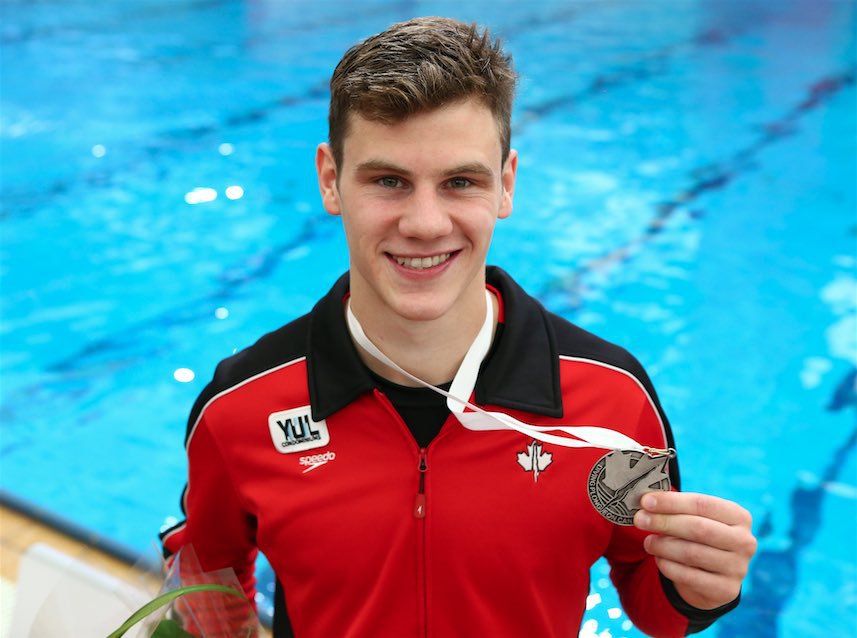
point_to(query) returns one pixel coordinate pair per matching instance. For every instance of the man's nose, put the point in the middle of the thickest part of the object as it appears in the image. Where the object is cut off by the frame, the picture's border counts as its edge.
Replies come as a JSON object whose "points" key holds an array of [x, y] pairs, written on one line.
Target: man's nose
{"points": [[425, 215]]}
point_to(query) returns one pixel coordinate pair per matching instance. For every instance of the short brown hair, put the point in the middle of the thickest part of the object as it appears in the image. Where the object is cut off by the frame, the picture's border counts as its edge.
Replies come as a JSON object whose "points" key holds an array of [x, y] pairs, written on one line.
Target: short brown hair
{"points": [[417, 66]]}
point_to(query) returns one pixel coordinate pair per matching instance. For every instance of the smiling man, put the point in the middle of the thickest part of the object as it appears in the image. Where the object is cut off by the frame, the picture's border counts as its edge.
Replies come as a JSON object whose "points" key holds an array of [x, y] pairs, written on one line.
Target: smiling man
{"points": [[429, 452], [419, 199]]}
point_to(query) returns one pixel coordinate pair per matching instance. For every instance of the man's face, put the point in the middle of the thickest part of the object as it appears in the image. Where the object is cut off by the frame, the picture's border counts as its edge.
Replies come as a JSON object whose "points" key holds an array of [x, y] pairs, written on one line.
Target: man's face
{"points": [[419, 200]]}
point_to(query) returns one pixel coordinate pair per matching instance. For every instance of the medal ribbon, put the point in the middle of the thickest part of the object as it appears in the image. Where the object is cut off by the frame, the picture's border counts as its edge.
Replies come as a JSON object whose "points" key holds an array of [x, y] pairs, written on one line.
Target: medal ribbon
{"points": [[478, 419]]}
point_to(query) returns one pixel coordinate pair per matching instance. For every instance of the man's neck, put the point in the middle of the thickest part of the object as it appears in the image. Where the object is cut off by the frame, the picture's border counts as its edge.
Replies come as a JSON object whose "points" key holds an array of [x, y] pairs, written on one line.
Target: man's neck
{"points": [[430, 350]]}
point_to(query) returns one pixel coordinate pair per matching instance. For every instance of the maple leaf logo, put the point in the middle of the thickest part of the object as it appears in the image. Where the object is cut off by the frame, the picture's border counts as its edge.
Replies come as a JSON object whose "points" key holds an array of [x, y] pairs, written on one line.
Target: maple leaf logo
{"points": [[630, 476], [534, 460]]}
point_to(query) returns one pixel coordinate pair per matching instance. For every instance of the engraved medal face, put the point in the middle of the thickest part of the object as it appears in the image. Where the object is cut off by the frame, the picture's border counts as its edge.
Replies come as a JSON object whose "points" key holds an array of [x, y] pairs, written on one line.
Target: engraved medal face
{"points": [[619, 479]]}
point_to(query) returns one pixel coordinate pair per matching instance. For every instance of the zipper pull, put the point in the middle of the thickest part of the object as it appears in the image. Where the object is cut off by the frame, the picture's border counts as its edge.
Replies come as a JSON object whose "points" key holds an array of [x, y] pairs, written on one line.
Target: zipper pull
{"points": [[420, 505]]}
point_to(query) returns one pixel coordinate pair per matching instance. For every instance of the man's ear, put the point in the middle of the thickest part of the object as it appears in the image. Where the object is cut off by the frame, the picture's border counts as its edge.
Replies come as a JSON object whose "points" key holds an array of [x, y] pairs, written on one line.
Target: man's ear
{"points": [[507, 179], [325, 166]]}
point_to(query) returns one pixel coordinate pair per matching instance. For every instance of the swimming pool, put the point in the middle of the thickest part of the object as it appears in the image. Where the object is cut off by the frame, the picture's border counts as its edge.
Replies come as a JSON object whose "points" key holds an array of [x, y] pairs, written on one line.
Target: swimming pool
{"points": [[686, 189]]}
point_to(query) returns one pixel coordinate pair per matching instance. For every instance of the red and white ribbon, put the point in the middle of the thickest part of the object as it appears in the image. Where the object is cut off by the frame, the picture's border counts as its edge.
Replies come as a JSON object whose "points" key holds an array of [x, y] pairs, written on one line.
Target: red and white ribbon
{"points": [[477, 419]]}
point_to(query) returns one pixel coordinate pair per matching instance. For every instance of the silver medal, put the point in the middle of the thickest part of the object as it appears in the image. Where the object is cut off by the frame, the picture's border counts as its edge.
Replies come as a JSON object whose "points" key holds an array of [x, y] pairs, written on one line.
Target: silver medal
{"points": [[620, 478]]}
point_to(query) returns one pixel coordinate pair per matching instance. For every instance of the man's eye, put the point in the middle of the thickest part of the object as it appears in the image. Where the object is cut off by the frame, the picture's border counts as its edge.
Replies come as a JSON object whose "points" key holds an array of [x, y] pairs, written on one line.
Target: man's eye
{"points": [[390, 182], [459, 182]]}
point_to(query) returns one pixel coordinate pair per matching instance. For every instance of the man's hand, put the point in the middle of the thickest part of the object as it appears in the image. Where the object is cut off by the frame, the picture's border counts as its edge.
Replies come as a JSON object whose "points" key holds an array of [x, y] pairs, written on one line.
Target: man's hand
{"points": [[702, 543]]}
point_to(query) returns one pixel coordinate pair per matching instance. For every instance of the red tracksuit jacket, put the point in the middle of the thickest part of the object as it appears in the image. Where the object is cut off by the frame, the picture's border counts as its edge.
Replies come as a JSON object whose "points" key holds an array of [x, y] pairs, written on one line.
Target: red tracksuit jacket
{"points": [[293, 451]]}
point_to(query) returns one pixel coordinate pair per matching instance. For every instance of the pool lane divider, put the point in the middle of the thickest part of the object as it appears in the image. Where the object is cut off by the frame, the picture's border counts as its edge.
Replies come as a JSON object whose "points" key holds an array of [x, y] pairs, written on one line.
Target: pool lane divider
{"points": [[712, 177]]}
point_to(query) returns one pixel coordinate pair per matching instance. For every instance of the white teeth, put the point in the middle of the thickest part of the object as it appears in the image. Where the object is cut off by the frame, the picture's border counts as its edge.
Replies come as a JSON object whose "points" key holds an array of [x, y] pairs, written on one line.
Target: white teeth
{"points": [[422, 262]]}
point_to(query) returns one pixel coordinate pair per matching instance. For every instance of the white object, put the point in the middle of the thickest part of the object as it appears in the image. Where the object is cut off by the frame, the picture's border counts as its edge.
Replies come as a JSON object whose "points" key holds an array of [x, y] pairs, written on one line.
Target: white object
{"points": [[59, 596], [479, 419]]}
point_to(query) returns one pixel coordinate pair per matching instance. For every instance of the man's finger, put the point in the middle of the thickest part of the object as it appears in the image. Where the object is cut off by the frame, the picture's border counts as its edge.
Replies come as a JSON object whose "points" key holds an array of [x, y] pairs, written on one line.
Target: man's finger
{"points": [[692, 528], [705, 531], [703, 505], [705, 557]]}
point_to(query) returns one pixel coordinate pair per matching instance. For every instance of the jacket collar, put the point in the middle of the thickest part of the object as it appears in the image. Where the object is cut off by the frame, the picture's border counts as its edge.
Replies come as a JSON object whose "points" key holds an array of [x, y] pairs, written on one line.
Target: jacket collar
{"points": [[521, 371]]}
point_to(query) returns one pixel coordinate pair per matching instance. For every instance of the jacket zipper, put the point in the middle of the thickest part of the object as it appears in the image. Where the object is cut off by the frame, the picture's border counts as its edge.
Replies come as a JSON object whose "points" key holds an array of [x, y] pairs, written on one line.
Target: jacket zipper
{"points": [[420, 505], [420, 515]]}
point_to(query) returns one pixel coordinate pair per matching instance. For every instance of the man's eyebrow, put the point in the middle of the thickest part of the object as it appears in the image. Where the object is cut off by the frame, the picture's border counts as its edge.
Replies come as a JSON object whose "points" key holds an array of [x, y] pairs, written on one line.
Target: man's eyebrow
{"points": [[472, 168], [379, 165], [374, 165]]}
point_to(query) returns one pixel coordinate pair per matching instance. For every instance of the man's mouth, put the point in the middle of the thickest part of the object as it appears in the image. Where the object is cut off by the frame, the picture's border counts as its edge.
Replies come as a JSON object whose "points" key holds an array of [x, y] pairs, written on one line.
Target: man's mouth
{"points": [[421, 263]]}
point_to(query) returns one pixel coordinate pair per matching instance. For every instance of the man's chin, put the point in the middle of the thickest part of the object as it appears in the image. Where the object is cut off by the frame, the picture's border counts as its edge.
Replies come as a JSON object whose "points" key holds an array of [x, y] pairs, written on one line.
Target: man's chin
{"points": [[422, 311]]}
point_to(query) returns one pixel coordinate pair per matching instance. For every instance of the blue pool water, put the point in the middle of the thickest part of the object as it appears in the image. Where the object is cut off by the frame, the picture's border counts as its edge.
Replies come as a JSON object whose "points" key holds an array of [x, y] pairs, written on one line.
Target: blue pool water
{"points": [[686, 188]]}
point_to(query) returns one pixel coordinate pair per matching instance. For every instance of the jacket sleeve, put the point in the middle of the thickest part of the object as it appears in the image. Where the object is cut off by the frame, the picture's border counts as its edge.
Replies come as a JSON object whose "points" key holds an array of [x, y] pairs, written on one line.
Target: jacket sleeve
{"points": [[217, 524], [637, 580], [650, 600]]}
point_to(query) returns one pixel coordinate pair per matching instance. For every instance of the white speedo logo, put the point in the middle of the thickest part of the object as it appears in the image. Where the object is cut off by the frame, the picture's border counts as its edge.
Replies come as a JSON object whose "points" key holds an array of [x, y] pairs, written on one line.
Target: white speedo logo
{"points": [[316, 460]]}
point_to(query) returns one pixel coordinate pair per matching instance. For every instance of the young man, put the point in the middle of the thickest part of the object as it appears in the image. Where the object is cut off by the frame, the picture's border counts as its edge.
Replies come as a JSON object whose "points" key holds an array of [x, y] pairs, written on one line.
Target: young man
{"points": [[382, 513]]}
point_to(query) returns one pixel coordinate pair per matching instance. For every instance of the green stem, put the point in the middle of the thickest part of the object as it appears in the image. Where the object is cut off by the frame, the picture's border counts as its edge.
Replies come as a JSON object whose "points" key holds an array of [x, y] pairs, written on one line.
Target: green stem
{"points": [[167, 598]]}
